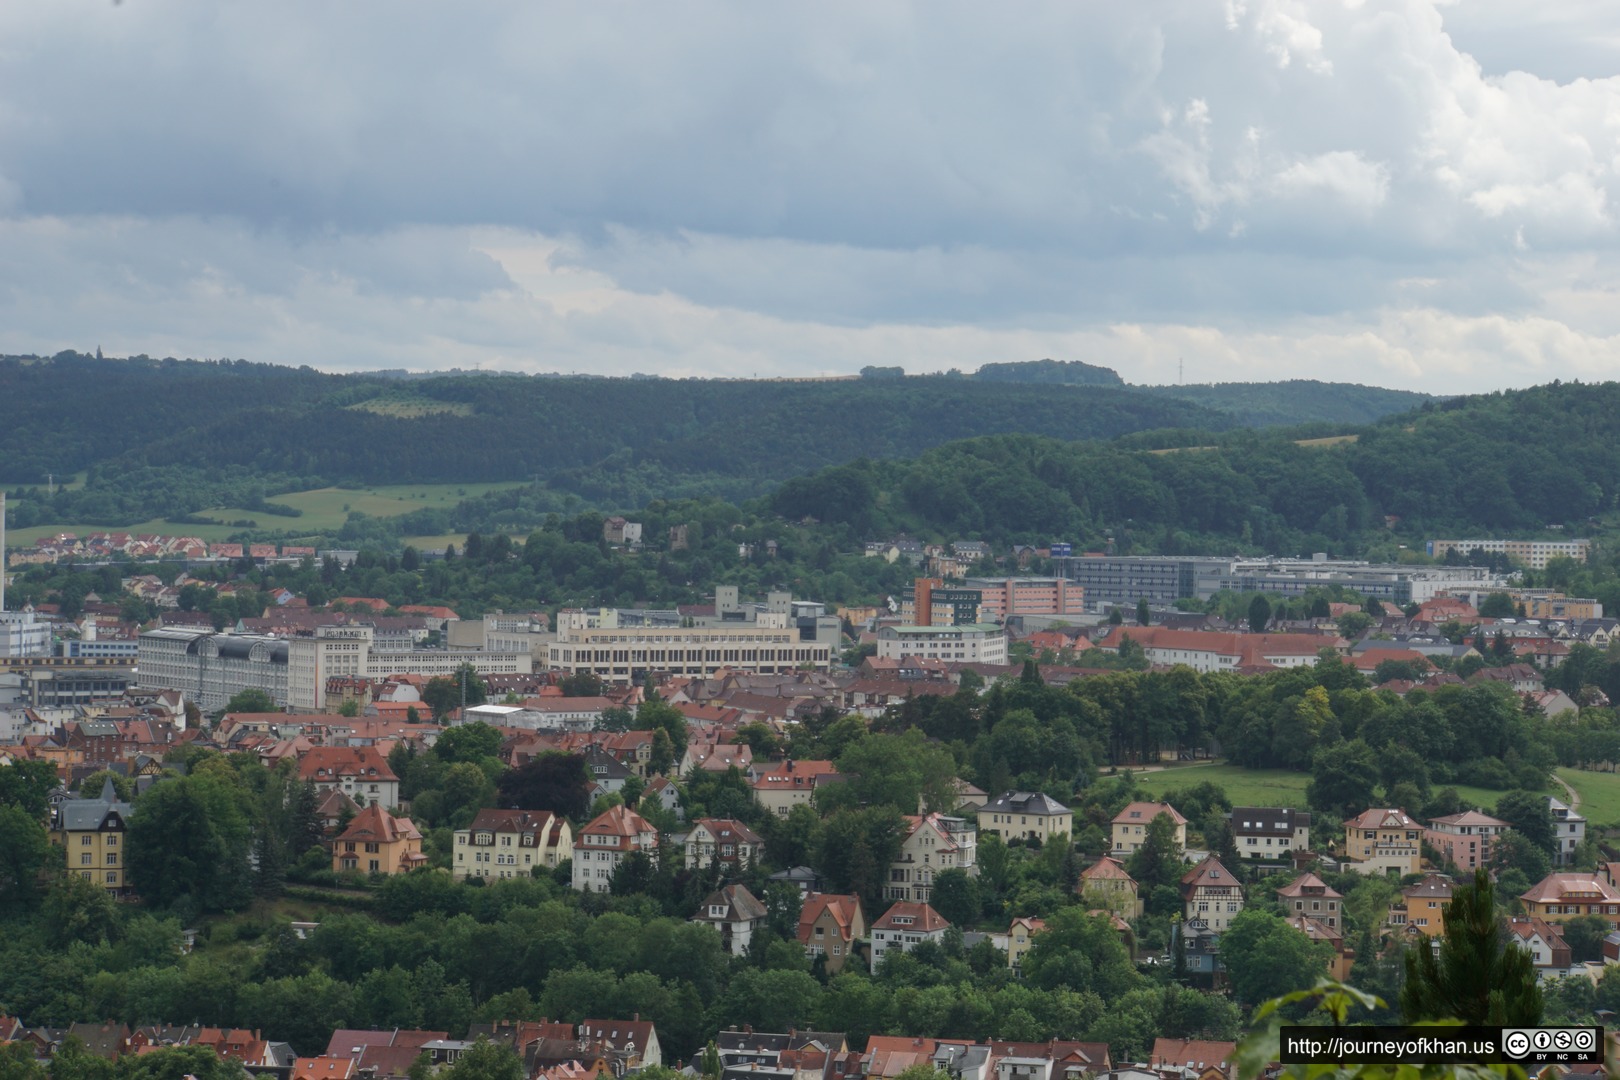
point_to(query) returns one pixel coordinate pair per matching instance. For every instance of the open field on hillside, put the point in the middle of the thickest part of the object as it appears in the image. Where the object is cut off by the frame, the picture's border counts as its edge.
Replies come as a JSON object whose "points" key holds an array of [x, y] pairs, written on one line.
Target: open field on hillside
{"points": [[409, 408], [1600, 794], [326, 509], [1281, 787], [20, 538]]}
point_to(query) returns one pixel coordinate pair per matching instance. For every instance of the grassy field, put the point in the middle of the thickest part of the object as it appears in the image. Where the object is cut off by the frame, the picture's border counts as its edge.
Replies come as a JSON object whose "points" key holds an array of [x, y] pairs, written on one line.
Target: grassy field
{"points": [[409, 408], [19, 538], [1280, 787], [1245, 787], [437, 543], [1600, 795], [325, 510]]}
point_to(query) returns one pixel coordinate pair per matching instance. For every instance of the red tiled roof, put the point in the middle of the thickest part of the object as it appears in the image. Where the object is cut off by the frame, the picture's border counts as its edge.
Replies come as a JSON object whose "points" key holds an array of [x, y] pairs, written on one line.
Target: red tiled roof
{"points": [[924, 919]]}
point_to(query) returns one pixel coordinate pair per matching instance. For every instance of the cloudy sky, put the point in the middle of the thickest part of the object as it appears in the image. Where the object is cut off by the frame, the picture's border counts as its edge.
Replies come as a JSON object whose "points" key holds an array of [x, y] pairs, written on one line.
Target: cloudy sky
{"points": [[1410, 193]]}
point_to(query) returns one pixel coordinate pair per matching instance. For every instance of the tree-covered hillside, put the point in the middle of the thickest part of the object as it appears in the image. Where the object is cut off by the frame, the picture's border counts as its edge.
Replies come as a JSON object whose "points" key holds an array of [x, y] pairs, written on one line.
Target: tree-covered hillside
{"points": [[1493, 463], [1296, 401]]}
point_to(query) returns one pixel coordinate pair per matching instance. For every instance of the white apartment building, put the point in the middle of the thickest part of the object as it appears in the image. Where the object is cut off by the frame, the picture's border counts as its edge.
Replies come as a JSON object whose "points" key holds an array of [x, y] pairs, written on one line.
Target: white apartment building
{"points": [[974, 643]]}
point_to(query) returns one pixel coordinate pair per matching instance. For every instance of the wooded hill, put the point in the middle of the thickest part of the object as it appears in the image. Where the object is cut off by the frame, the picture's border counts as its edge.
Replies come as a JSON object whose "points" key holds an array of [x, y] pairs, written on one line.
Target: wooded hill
{"points": [[1497, 463], [171, 437]]}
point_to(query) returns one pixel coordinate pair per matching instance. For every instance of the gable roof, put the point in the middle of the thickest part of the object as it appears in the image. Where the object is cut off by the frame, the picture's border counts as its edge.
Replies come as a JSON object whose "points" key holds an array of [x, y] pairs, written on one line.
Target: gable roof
{"points": [[1106, 869], [1145, 812], [740, 904], [1382, 819], [1191, 1053], [844, 911], [1308, 884], [923, 919], [377, 826]]}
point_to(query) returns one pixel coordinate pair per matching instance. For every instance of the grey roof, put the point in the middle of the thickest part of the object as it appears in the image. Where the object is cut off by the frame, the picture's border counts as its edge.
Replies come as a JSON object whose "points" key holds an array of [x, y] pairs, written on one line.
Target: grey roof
{"points": [[1267, 820], [83, 815], [1025, 802], [741, 905]]}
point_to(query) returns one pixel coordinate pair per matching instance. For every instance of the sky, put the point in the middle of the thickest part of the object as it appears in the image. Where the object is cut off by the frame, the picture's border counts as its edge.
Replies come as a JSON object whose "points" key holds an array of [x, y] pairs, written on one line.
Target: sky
{"points": [[1408, 193]]}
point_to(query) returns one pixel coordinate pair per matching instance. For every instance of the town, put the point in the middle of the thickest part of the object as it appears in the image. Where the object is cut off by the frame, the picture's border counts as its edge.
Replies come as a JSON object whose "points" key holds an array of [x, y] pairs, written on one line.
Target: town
{"points": [[979, 830]]}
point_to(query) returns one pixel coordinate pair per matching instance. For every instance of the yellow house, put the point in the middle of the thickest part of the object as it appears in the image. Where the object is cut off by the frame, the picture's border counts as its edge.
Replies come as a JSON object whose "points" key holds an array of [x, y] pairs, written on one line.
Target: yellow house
{"points": [[1019, 935], [511, 844], [1558, 897], [1025, 815], [91, 831], [1130, 825], [1422, 907], [1105, 884], [377, 842], [1378, 841]]}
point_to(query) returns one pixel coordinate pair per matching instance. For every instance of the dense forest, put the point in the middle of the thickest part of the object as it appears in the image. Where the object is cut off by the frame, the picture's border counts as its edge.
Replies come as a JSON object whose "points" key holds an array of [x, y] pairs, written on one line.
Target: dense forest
{"points": [[165, 438], [1496, 463]]}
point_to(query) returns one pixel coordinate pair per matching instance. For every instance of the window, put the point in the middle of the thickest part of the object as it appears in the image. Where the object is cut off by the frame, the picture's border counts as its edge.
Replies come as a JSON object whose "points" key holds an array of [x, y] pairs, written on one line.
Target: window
{"points": [[84, 860], [111, 840], [112, 858], [112, 877], [84, 841]]}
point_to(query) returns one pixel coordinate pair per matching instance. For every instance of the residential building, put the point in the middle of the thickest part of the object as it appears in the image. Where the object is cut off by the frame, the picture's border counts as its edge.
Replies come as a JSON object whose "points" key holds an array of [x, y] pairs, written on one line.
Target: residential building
{"points": [[1422, 908], [92, 834], [903, 927], [1343, 958], [511, 843], [1560, 897], [1197, 1055], [736, 913], [1105, 884], [607, 841], [1210, 650], [1211, 897], [972, 643], [725, 841], [780, 786], [829, 926], [634, 1033], [1313, 898], [360, 772], [1019, 935], [1532, 553], [1569, 831], [1129, 827], [1465, 839], [1030, 816], [1383, 841], [1544, 941], [1265, 832], [933, 843], [377, 842]]}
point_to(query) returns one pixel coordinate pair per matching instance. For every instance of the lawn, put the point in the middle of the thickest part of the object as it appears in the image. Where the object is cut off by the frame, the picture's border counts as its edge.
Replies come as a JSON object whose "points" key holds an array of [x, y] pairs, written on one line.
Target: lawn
{"points": [[1245, 787], [1281, 787], [20, 538], [1600, 795]]}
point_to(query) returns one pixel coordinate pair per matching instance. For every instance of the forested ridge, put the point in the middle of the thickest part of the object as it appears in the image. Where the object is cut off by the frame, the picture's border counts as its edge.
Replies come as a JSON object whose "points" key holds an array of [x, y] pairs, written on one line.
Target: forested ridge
{"points": [[164, 438], [1497, 463]]}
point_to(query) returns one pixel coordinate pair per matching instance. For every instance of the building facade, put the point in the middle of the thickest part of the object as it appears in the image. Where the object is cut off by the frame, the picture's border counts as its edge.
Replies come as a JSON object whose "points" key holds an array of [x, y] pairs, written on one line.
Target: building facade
{"points": [[1027, 816], [1465, 839], [92, 833], [607, 841], [1383, 841], [973, 643], [511, 843], [1129, 827]]}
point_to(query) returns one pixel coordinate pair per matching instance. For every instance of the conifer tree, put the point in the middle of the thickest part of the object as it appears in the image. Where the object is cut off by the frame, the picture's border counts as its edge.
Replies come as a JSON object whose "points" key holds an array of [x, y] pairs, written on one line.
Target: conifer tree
{"points": [[1478, 975]]}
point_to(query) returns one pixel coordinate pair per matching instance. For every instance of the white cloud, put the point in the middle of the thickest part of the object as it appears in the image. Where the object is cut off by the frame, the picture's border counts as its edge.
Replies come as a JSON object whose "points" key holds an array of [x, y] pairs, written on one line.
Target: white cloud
{"points": [[1273, 186]]}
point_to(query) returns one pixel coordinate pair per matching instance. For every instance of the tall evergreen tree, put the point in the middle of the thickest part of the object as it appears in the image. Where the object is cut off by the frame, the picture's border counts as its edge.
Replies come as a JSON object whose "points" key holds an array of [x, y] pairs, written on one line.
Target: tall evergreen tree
{"points": [[1478, 975]]}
